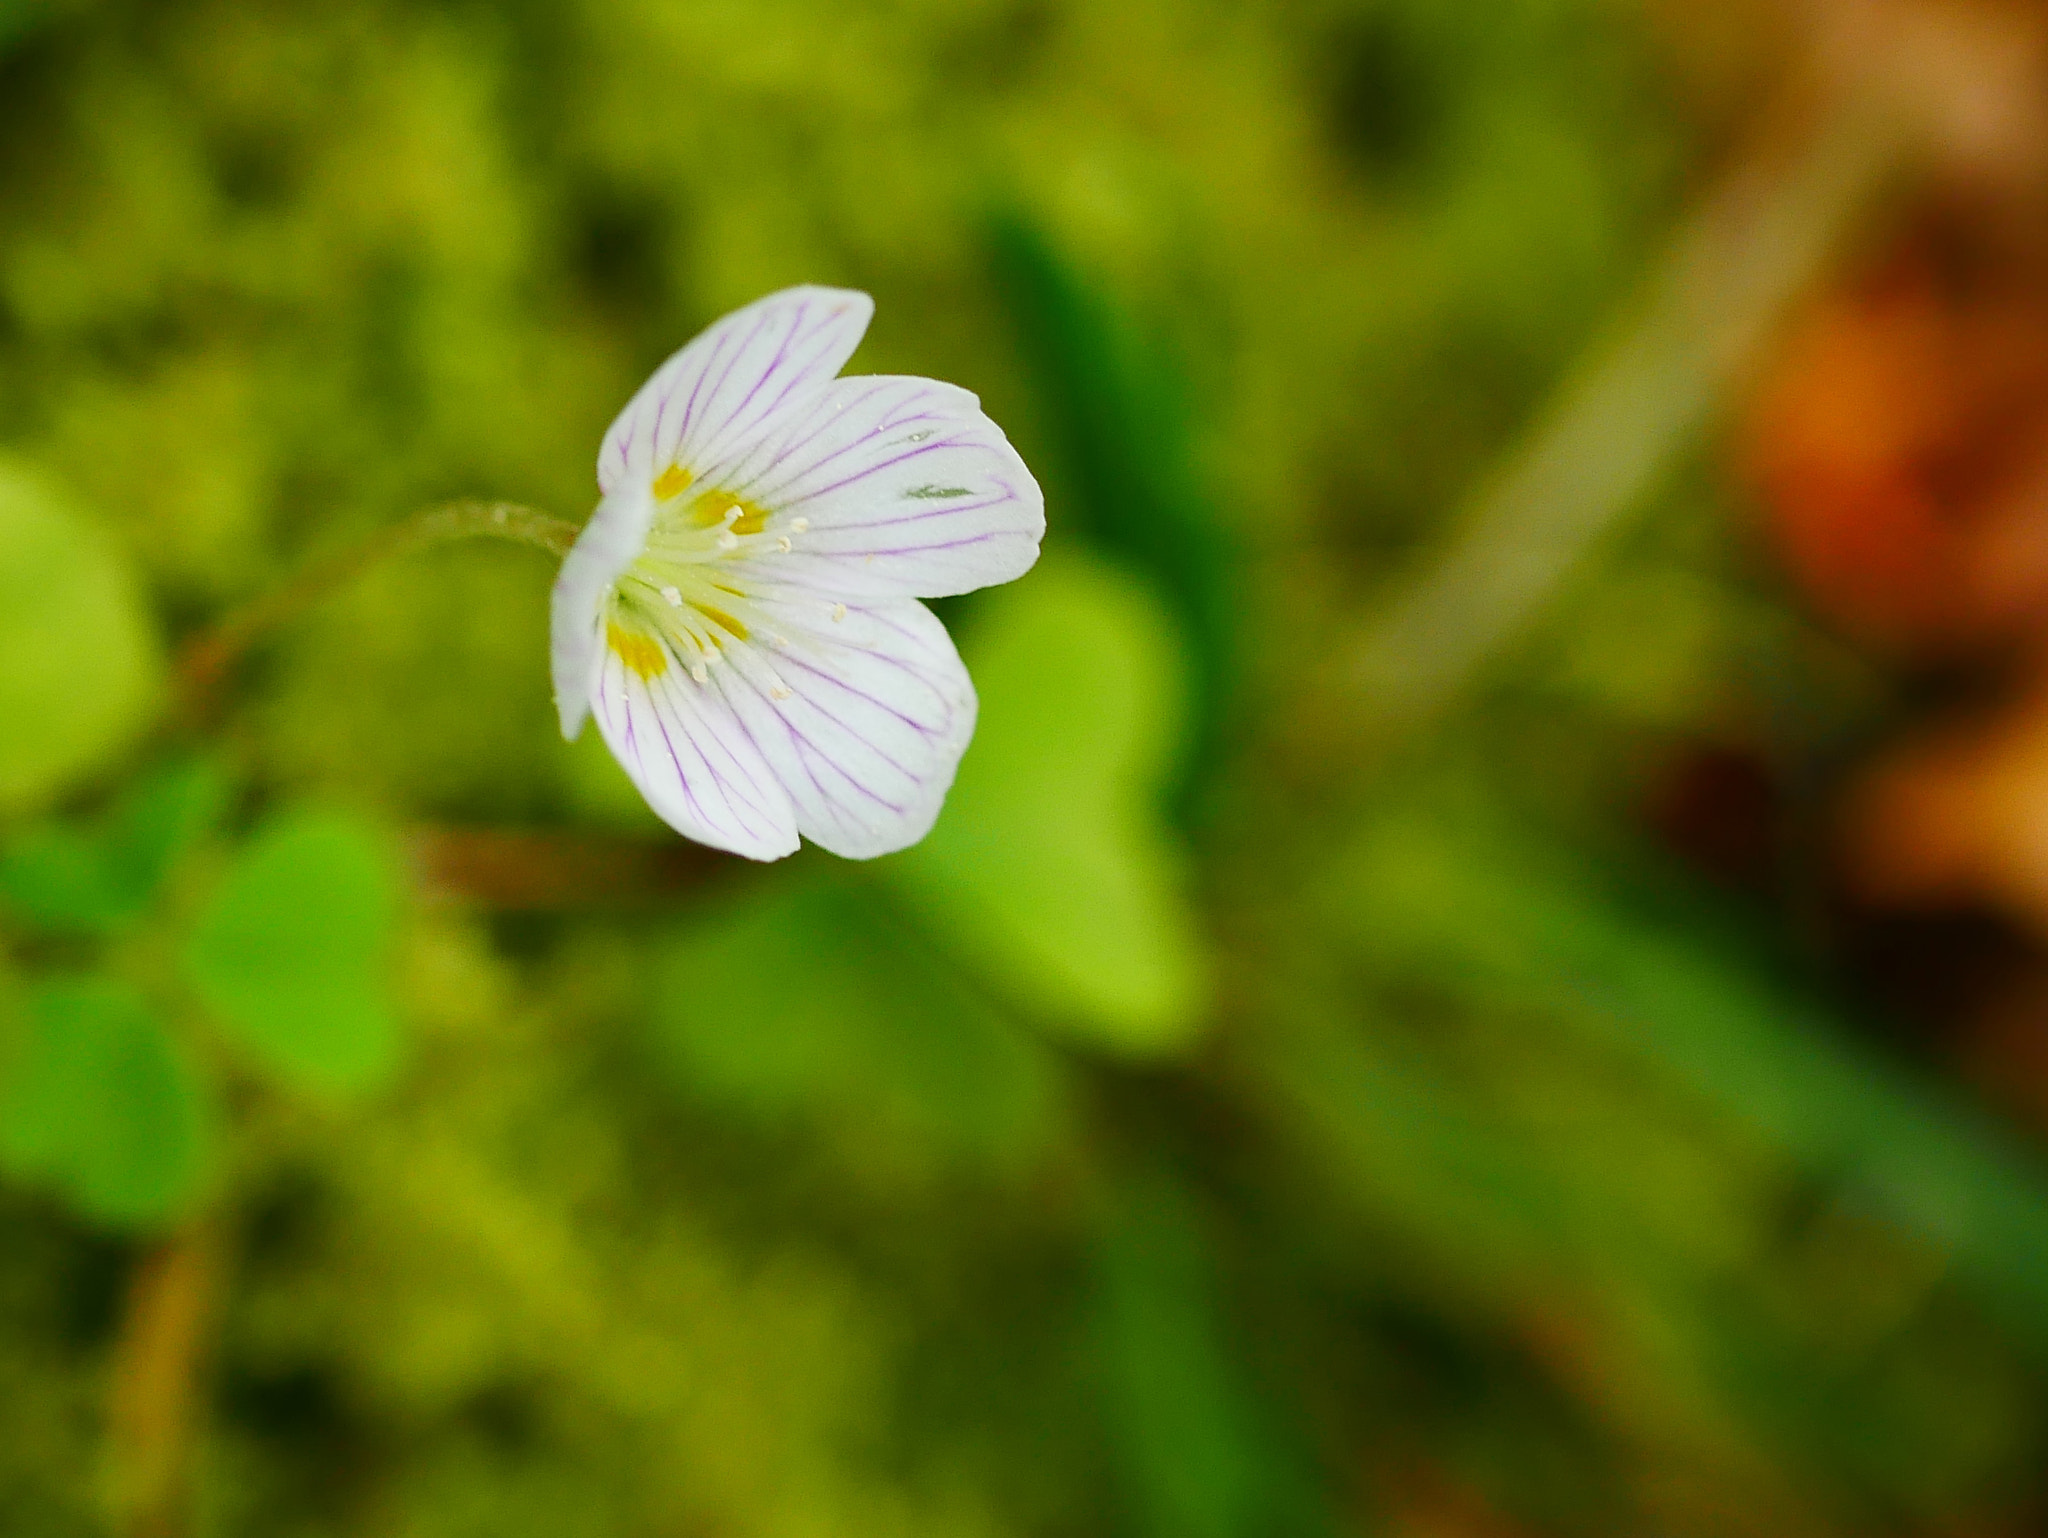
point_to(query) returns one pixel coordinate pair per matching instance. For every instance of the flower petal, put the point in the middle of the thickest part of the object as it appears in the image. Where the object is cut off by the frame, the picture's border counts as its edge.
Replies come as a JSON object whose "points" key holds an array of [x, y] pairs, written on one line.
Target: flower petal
{"points": [[610, 542], [863, 718], [906, 490], [692, 758], [734, 382]]}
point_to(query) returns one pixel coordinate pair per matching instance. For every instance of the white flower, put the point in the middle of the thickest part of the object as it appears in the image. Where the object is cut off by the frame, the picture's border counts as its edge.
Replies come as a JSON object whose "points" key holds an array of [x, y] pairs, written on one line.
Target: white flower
{"points": [[741, 611]]}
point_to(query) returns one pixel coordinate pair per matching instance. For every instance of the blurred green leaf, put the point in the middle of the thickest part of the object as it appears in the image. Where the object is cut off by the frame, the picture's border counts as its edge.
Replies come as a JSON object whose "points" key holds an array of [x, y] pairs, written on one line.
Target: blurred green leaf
{"points": [[74, 878], [163, 816], [1051, 864], [58, 877], [812, 1000], [1128, 465], [104, 1106], [80, 665], [292, 954]]}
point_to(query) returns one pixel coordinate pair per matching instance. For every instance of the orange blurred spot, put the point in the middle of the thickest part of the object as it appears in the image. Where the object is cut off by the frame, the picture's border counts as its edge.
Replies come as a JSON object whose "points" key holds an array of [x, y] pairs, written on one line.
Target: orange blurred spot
{"points": [[1900, 446]]}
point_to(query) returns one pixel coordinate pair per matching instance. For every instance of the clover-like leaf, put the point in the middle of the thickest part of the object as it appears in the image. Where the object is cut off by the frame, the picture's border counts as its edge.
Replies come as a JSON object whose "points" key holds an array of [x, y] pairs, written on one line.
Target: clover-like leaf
{"points": [[80, 662], [77, 878], [292, 953], [1052, 864], [104, 1106]]}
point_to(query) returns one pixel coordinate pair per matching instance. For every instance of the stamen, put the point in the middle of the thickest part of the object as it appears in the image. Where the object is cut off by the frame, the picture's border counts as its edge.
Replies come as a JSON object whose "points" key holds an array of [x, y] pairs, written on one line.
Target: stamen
{"points": [[729, 540]]}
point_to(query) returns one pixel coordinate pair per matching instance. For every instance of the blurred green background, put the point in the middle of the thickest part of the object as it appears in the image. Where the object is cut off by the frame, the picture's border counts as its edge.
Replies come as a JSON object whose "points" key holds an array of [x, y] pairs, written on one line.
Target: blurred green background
{"points": [[1249, 1113]]}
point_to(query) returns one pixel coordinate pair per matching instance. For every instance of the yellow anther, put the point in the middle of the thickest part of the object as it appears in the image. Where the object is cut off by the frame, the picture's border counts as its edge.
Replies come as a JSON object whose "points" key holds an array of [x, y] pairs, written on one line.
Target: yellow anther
{"points": [[672, 482], [638, 653]]}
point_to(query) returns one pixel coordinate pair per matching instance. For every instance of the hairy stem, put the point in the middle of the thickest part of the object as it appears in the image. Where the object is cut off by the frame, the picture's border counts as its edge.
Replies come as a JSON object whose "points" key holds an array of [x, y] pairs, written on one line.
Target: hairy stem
{"points": [[212, 657]]}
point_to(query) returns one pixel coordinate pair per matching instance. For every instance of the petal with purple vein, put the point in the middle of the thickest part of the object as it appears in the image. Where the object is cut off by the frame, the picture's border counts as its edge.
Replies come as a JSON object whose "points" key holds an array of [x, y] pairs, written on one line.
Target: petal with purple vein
{"points": [[692, 758], [739, 380], [893, 487], [862, 719]]}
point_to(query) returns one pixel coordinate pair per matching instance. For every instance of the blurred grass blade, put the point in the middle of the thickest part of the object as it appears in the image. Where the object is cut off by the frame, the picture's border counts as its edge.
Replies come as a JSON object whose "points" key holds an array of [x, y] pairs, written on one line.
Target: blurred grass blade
{"points": [[1127, 471], [104, 1106], [292, 955], [1626, 414], [1710, 1016], [1189, 1437]]}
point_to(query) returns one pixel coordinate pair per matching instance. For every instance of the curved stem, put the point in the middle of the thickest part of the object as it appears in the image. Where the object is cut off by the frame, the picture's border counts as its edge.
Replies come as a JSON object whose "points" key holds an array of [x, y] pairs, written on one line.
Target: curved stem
{"points": [[212, 656]]}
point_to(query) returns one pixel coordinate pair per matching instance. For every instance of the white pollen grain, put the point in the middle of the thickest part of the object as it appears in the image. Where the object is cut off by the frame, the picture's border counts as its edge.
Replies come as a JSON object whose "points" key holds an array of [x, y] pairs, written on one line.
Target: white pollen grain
{"points": [[700, 672], [782, 543], [838, 612], [674, 596], [800, 525]]}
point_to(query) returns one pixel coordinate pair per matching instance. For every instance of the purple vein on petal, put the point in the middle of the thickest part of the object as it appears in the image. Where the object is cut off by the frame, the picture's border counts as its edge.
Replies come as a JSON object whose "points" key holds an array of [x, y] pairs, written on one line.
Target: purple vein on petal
{"points": [[876, 469]]}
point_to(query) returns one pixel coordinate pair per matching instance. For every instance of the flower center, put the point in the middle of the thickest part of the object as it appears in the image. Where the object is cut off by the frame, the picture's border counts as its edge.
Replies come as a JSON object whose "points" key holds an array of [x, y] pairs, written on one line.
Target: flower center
{"points": [[683, 598]]}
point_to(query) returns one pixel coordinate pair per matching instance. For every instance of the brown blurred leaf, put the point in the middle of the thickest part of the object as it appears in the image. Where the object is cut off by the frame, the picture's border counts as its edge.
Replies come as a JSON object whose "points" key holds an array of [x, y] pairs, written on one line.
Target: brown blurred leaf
{"points": [[1901, 448], [1961, 815]]}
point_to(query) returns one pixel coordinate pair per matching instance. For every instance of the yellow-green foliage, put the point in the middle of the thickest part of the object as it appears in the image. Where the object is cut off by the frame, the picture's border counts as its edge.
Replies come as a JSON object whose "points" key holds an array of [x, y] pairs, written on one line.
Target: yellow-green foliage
{"points": [[1196, 1139]]}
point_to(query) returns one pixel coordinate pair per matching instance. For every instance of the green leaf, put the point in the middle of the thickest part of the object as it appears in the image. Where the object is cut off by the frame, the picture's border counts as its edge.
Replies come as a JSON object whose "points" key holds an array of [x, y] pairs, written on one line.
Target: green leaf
{"points": [[162, 817], [293, 951], [80, 663], [1052, 864], [1125, 463], [104, 1106], [814, 1001], [58, 877], [72, 878]]}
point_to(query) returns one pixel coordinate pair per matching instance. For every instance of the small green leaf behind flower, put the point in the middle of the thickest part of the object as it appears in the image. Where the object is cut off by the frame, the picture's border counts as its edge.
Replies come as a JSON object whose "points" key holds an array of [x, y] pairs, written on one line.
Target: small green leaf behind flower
{"points": [[70, 877], [102, 1105], [292, 954], [1052, 866]]}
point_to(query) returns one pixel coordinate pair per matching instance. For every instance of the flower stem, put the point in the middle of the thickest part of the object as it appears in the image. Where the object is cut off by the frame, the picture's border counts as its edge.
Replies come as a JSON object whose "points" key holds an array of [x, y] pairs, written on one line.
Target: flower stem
{"points": [[157, 1399], [210, 658]]}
